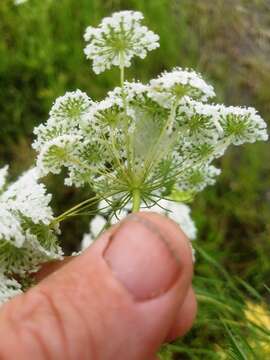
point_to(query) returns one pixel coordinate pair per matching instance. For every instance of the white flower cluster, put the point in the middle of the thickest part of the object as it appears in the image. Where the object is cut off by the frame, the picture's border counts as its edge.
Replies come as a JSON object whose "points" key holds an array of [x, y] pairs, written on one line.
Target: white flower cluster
{"points": [[95, 228], [26, 240], [235, 124], [131, 137], [198, 177], [61, 142], [153, 138], [117, 40], [178, 212], [3, 177], [8, 288], [172, 86]]}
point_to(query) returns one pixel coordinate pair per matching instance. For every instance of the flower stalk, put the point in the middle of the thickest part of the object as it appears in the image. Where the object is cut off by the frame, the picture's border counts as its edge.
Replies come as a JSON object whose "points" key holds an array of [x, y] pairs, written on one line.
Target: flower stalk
{"points": [[136, 200]]}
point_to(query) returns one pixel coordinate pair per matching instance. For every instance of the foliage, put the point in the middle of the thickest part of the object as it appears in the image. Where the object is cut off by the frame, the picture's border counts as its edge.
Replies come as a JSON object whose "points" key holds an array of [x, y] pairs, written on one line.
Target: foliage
{"points": [[229, 309]]}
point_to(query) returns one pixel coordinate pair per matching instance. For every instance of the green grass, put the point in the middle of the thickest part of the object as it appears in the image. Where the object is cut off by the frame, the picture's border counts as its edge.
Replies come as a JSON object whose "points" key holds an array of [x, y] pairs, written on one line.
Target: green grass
{"points": [[41, 57]]}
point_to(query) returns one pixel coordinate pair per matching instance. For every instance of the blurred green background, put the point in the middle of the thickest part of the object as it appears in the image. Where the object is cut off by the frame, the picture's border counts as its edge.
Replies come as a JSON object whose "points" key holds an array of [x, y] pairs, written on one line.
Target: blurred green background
{"points": [[228, 41]]}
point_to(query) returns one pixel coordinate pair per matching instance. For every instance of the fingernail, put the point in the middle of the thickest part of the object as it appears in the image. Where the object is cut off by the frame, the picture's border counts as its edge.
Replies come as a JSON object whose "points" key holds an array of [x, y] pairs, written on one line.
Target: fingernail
{"points": [[141, 258]]}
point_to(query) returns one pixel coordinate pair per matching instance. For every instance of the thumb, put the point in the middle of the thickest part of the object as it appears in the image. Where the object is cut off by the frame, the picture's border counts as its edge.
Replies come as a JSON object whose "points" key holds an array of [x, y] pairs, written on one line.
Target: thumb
{"points": [[119, 299]]}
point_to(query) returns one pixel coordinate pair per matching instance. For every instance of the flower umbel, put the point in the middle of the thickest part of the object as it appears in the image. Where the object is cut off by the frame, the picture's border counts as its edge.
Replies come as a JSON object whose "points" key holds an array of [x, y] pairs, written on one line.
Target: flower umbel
{"points": [[8, 288], [117, 40], [26, 239], [143, 141], [172, 86]]}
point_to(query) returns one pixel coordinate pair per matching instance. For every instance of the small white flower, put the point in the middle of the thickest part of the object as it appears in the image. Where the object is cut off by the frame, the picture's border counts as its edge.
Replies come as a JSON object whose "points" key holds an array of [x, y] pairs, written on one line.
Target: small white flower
{"points": [[117, 40], [199, 153], [97, 224], [197, 178], [8, 288], [95, 227], [29, 257], [58, 152], [181, 214], [242, 125], [104, 116], [173, 86], [26, 240], [3, 176], [29, 197], [199, 122], [72, 106], [131, 91], [86, 241], [10, 227], [66, 116], [178, 212]]}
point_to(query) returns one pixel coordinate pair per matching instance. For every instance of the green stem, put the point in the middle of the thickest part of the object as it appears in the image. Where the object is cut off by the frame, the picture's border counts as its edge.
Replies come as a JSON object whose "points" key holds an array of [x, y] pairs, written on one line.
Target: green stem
{"points": [[122, 70], [122, 79], [136, 200], [122, 76], [127, 135], [61, 217]]}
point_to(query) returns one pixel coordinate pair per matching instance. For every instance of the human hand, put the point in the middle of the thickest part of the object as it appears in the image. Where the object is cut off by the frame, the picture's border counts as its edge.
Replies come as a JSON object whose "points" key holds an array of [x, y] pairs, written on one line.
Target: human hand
{"points": [[121, 299]]}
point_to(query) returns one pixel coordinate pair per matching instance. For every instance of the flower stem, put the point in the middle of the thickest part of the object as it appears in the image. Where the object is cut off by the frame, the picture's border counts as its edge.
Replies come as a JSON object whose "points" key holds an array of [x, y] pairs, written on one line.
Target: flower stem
{"points": [[122, 70], [122, 76], [72, 210], [136, 200]]}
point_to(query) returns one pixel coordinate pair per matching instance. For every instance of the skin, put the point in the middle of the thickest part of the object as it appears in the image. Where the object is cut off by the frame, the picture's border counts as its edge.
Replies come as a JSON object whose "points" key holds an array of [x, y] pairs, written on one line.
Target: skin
{"points": [[121, 299]]}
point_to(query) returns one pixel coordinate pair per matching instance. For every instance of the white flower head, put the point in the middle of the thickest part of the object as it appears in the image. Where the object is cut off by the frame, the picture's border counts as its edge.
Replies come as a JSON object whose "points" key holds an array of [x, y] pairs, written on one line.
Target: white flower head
{"points": [[173, 86], [197, 178], [117, 40], [96, 226], [199, 121], [36, 250], [26, 239], [181, 214], [72, 106], [178, 212], [3, 176], [87, 241], [104, 115], [241, 125], [10, 227], [56, 153], [29, 197], [66, 116], [8, 288]]}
